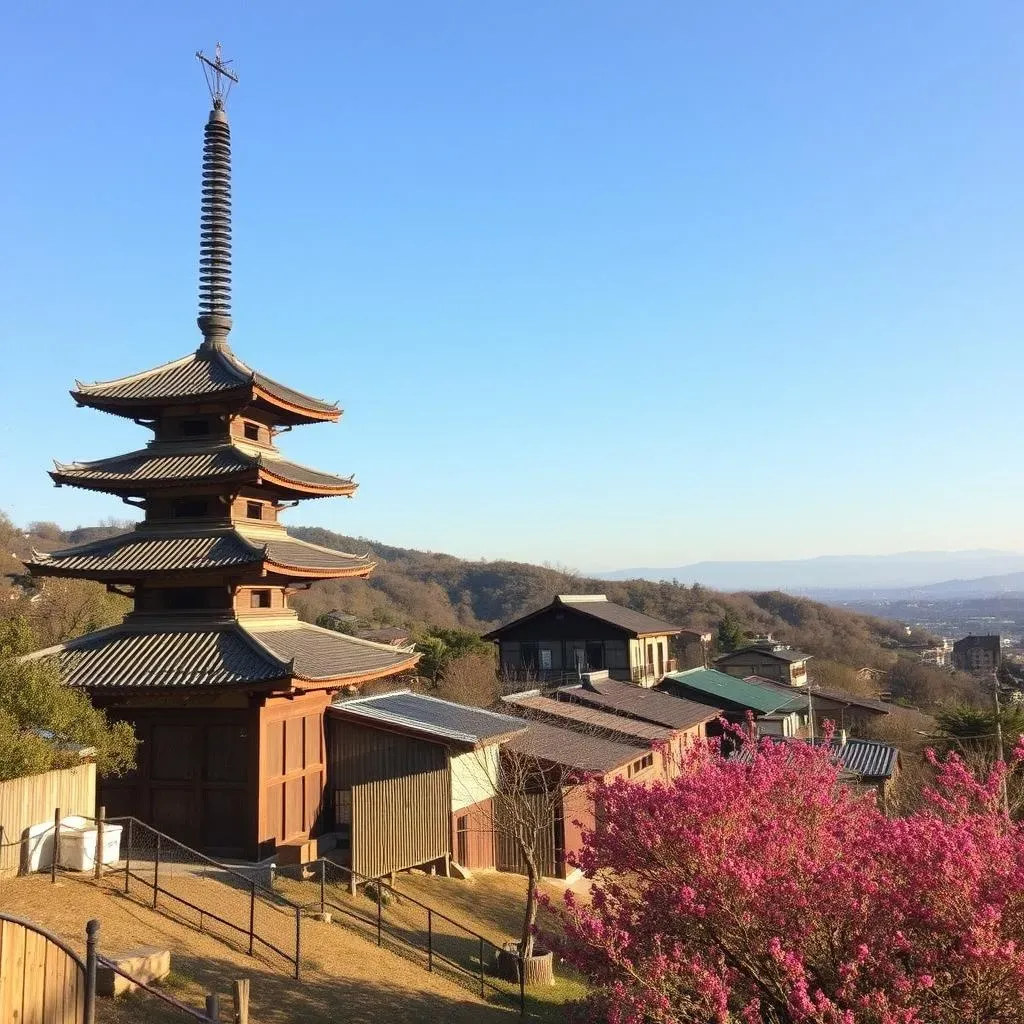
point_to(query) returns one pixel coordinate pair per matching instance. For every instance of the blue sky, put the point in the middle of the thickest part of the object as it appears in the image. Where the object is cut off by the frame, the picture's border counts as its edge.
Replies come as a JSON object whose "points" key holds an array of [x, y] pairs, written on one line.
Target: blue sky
{"points": [[599, 283]]}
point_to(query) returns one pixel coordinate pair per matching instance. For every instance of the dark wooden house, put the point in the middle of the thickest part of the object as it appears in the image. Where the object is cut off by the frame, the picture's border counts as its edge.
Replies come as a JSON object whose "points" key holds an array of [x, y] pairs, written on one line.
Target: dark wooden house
{"points": [[227, 689], [579, 633], [411, 781], [768, 659]]}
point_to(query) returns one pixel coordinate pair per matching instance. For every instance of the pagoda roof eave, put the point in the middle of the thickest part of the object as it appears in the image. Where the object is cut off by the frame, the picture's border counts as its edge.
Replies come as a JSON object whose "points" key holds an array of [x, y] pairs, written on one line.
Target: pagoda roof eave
{"points": [[203, 376], [151, 552]]}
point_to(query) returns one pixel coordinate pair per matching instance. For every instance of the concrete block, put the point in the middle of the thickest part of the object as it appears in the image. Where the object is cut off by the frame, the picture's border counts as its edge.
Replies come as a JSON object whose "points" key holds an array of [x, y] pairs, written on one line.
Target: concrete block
{"points": [[458, 871], [144, 963]]}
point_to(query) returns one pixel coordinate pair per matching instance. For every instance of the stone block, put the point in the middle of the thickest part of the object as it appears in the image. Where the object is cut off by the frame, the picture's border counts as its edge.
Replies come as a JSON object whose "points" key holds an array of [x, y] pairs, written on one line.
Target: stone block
{"points": [[144, 963]]}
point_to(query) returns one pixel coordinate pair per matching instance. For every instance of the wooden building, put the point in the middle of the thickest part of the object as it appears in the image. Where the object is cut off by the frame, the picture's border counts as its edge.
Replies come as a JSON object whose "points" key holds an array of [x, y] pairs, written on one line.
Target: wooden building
{"points": [[226, 688], [768, 659], [412, 779], [579, 633], [777, 712], [845, 710]]}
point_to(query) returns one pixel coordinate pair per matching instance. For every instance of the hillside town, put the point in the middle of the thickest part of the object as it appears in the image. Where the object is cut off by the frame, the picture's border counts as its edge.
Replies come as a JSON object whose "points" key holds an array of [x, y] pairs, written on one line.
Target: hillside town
{"points": [[327, 789]]}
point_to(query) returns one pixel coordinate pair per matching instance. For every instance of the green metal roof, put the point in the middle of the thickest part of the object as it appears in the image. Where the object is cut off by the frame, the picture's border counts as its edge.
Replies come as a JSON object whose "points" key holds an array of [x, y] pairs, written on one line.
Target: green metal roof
{"points": [[727, 692]]}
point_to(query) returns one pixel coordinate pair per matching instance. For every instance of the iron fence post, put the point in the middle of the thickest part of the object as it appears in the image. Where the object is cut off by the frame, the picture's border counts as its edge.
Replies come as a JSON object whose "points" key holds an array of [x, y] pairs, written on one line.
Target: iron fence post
{"points": [[298, 942], [91, 930], [481, 967], [323, 872], [97, 865], [156, 869], [128, 856], [56, 845], [252, 912], [377, 887], [430, 939]]}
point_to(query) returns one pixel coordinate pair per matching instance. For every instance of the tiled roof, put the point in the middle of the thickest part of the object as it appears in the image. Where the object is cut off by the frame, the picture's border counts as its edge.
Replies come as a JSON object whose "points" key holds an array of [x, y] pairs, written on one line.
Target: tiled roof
{"points": [[727, 692], [137, 655], [773, 653], [324, 654], [597, 606], [571, 749], [165, 463], [187, 656], [193, 377], [430, 716], [649, 705], [867, 759], [837, 696], [572, 713], [147, 550]]}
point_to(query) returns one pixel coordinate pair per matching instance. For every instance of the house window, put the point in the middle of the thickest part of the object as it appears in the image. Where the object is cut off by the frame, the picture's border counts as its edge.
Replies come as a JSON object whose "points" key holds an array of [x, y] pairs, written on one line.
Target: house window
{"points": [[639, 765], [195, 428], [545, 664], [529, 655], [462, 839], [595, 655], [189, 508], [650, 657], [252, 431], [253, 510], [259, 599]]}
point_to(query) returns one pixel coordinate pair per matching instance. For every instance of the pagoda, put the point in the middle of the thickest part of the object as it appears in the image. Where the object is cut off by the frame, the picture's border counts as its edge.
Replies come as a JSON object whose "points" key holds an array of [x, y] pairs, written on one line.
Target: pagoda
{"points": [[226, 688]]}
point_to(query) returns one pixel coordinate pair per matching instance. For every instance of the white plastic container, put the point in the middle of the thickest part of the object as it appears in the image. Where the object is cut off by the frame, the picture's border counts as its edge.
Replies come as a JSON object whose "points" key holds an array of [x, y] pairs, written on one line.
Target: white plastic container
{"points": [[78, 840]]}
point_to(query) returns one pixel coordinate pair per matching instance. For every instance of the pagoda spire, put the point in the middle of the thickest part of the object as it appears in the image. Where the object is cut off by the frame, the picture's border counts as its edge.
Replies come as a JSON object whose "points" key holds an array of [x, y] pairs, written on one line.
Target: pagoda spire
{"points": [[215, 223]]}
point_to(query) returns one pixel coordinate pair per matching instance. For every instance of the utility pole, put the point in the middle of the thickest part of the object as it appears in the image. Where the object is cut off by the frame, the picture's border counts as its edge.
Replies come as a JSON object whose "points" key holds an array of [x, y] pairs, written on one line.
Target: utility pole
{"points": [[999, 741], [810, 711]]}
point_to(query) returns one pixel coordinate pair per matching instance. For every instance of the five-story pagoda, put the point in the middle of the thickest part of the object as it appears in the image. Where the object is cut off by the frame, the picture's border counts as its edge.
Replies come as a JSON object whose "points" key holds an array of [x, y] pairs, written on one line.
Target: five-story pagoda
{"points": [[226, 687]]}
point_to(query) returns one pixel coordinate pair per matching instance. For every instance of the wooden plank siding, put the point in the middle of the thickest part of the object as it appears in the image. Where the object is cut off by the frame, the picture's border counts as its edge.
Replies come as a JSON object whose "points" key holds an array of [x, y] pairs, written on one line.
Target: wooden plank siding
{"points": [[31, 800], [293, 770], [400, 796], [473, 835], [40, 983], [550, 843]]}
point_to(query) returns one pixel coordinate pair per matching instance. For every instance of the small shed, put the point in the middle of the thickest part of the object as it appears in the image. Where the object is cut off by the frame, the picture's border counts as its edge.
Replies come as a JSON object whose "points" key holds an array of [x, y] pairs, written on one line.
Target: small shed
{"points": [[410, 781]]}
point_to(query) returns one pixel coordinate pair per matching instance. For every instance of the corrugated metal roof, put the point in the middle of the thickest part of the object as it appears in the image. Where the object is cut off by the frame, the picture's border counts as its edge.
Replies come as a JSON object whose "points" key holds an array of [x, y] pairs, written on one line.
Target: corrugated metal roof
{"points": [[867, 759], [571, 711], [325, 654], [597, 606], [187, 656], [171, 463], [571, 749], [194, 376], [431, 716], [727, 692], [146, 550], [640, 702]]}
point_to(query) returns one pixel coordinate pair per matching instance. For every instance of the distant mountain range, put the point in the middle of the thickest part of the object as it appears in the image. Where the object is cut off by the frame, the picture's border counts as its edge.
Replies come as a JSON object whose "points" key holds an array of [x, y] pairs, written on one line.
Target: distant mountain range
{"points": [[942, 573]]}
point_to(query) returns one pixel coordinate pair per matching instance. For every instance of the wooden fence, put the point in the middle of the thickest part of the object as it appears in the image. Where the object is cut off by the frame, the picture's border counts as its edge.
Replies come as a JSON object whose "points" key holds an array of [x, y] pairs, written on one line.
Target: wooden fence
{"points": [[32, 800], [42, 980]]}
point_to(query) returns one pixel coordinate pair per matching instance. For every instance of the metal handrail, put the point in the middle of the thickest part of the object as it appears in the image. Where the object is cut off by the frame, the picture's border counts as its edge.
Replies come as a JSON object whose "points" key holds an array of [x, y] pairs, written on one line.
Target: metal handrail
{"points": [[153, 991]]}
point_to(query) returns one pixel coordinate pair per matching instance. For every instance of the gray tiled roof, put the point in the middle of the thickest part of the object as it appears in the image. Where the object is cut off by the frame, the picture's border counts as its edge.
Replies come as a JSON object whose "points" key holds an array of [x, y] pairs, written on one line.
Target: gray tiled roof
{"points": [[785, 654], [137, 655], [640, 702], [324, 654], [572, 749], [165, 463], [597, 606], [431, 716], [146, 550], [573, 713], [195, 376], [186, 656], [867, 759]]}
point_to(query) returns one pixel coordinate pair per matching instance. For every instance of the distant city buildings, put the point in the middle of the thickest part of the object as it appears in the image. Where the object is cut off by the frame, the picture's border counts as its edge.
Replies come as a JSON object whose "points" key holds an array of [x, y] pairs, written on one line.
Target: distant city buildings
{"points": [[977, 653]]}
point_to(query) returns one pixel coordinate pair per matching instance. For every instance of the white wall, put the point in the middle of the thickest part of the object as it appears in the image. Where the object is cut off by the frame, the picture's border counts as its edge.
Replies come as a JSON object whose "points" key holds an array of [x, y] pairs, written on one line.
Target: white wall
{"points": [[474, 776]]}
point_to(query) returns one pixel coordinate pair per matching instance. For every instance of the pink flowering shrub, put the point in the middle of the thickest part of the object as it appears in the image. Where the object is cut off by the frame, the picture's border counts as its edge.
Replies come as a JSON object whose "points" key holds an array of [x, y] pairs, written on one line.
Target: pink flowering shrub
{"points": [[767, 893]]}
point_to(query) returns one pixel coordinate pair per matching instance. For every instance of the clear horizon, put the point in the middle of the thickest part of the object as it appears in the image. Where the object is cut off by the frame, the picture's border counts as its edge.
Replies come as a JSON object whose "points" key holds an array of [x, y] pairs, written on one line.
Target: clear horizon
{"points": [[596, 285]]}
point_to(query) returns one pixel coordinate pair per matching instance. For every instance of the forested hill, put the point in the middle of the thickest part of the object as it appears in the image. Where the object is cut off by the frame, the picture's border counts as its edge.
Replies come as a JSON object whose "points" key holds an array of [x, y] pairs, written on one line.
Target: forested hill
{"points": [[417, 588]]}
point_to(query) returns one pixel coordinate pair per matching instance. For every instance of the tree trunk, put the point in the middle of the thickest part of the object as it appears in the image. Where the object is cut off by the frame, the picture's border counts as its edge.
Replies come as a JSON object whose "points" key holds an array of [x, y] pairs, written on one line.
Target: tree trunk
{"points": [[530, 917]]}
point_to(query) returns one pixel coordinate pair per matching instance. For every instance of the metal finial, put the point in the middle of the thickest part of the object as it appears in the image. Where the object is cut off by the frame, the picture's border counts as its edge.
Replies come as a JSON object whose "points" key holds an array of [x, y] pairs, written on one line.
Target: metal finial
{"points": [[215, 223], [219, 75]]}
